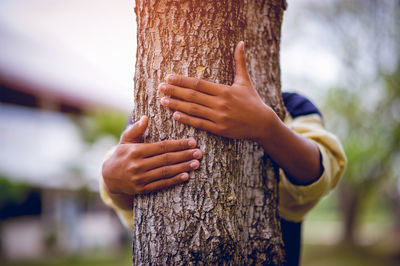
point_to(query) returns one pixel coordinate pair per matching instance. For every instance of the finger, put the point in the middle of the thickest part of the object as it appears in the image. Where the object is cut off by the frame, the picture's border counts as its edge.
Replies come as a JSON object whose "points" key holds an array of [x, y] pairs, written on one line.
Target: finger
{"points": [[187, 94], [165, 183], [199, 123], [189, 108], [195, 84], [241, 73], [169, 171], [133, 134], [156, 148], [170, 158]]}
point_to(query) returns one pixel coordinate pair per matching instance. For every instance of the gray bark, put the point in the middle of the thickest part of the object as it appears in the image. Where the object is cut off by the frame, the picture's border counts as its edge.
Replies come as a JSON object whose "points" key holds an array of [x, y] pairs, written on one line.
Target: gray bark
{"points": [[227, 213]]}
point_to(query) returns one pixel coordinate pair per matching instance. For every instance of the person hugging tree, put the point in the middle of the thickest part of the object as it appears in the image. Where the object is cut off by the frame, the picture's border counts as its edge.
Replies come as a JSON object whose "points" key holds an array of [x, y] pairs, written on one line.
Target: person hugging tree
{"points": [[310, 158]]}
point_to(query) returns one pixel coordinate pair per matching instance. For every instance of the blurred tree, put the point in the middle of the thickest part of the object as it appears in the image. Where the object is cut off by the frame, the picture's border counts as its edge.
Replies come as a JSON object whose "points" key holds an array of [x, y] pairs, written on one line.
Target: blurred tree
{"points": [[392, 113], [97, 123], [12, 192], [371, 141], [364, 34]]}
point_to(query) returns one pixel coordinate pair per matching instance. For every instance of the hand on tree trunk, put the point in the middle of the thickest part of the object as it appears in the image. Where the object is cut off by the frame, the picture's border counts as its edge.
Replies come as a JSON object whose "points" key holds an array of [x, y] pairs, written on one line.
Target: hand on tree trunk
{"points": [[235, 111], [137, 168]]}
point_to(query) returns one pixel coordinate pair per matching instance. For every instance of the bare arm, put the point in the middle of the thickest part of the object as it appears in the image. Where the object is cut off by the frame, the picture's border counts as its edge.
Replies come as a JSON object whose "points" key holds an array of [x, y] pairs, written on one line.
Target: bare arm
{"points": [[298, 156]]}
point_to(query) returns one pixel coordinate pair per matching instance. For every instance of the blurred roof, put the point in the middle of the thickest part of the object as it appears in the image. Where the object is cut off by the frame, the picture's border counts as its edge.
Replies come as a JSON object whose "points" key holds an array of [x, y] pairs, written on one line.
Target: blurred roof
{"points": [[78, 50]]}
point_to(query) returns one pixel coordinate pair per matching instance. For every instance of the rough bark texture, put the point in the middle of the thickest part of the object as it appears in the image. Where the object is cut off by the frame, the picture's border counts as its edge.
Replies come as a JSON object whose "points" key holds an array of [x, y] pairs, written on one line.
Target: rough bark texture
{"points": [[228, 211]]}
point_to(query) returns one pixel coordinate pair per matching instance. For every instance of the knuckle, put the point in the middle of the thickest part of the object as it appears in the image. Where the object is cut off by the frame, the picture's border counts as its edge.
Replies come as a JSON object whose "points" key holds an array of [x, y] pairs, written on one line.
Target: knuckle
{"points": [[223, 118], [164, 146], [136, 181], [226, 92], [165, 172], [193, 109], [196, 84], [192, 95], [135, 168], [167, 158], [182, 144], [178, 79], [170, 90], [221, 104], [135, 151]]}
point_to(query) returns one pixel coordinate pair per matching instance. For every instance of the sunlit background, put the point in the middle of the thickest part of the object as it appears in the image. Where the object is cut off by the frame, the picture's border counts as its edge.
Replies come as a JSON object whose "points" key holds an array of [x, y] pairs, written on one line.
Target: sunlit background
{"points": [[66, 90]]}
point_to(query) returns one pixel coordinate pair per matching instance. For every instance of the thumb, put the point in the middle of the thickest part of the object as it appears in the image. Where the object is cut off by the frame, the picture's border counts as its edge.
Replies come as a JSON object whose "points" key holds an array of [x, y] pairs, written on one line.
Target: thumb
{"points": [[241, 74], [133, 134]]}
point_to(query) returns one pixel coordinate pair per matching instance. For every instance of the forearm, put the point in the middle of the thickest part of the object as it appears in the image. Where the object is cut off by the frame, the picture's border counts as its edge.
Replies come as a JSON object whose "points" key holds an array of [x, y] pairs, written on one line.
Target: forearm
{"points": [[298, 156]]}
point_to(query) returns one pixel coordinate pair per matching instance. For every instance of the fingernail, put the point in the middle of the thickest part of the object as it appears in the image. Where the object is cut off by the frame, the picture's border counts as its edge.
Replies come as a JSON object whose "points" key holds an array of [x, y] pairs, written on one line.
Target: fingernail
{"points": [[192, 143], [242, 43], [171, 78], [197, 154], [184, 176], [162, 87], [165, 101], [141, 119], [177, 116], [194, 164]]}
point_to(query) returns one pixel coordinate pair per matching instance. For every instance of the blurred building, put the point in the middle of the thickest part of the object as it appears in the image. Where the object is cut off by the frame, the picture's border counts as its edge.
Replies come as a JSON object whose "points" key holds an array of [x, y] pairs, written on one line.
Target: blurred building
{"points": [[57, 62]]}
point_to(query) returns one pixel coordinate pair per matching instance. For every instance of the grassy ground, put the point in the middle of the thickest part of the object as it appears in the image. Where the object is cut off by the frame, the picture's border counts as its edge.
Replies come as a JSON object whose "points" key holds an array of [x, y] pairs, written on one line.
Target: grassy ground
{"points": [[99, 258], [313, 255], [322, 232], [327, 255], [321, 235]]}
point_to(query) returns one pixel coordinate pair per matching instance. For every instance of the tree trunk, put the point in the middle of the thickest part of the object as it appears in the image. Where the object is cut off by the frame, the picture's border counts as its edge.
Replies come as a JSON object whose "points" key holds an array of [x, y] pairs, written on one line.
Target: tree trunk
{"points": [[227, 213], [349, 206]]}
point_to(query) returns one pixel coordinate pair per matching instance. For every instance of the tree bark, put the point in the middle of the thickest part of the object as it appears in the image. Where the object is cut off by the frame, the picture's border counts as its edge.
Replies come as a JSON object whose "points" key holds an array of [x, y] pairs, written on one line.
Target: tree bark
{"points": [[227, 213]]}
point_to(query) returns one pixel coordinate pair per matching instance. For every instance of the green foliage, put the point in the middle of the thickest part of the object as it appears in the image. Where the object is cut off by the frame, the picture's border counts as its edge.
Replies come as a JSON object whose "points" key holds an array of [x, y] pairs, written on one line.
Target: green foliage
{"points": [[370, 132], [12, 192], [102, 122]]}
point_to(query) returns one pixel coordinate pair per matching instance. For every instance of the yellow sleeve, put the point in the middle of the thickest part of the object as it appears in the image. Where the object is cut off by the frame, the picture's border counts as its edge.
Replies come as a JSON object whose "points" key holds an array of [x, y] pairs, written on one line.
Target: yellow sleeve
{"points": [[296, 200], [126, 216]]}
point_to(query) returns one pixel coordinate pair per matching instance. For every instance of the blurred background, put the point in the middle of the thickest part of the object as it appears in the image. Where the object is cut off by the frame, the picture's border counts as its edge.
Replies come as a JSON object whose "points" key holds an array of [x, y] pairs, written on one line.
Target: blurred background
{"points": [[66, 90]]}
